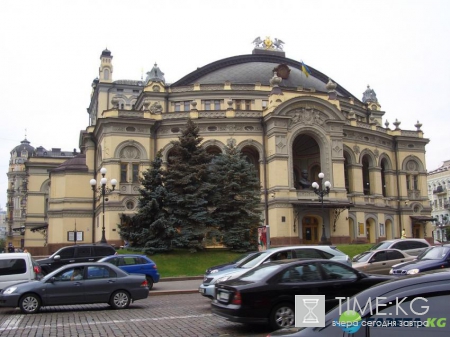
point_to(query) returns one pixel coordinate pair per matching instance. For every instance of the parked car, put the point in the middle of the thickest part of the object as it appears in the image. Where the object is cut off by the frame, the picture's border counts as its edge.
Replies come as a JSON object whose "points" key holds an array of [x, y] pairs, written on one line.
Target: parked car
{"points": [[266, 294], [436, 257], [424, 300], [135, 264], [18, 267], [76, 253], [380, 261], [410, 246], [229, 265], [272, 254], [98, 283]]}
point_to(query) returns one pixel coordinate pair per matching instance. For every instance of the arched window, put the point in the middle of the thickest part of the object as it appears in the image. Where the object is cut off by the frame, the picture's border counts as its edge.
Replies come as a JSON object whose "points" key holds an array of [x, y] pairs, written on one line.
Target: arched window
{"points": [[106, 74], [366, 175], [383, 177], [346, 171]]}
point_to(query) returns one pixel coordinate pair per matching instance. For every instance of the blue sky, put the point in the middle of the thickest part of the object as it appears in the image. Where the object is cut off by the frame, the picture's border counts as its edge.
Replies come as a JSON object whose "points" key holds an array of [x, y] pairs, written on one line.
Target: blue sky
{"points": [[50, 55]]}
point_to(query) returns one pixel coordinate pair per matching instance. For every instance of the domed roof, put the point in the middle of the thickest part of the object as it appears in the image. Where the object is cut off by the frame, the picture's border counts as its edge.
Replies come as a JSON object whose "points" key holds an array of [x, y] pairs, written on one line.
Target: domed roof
{"points": [[24, 146], [77, 163], [249, 69], [105, 52]]}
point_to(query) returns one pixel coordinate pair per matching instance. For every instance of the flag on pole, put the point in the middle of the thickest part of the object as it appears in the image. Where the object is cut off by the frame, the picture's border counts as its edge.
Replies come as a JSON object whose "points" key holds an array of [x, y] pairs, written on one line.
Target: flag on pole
{"points": [[305, 70]]}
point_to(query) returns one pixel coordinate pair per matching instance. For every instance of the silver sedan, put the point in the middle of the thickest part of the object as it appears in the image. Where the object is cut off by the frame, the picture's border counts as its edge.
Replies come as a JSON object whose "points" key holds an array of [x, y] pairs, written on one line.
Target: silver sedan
{"points": [[77, 283], [380, 261]]}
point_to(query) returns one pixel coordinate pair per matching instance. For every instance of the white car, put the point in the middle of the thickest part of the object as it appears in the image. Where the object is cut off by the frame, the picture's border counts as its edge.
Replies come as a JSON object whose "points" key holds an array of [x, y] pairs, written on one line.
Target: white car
{"points": [[207, 288]]}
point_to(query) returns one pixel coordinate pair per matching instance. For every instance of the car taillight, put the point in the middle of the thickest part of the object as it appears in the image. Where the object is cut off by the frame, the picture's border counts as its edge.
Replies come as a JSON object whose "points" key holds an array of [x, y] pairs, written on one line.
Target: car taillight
{"points": [[144, 284], [37, 269], [154, 266], [237, 299]]}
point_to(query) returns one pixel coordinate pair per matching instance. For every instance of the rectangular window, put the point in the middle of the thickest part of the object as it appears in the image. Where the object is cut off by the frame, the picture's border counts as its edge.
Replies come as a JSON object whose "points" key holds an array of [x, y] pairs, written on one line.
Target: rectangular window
{"points": [[216, 105], [382, 232], [416, 182], [248, 105], [123, 173], [177, 106], [187, 106], [207, 105], [408, 182], [135, 173], [440, 203], [264, 104], [238, 104]]}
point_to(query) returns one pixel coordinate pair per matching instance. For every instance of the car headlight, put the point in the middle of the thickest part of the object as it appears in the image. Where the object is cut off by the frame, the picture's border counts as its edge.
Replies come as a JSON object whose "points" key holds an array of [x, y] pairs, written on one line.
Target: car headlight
{"points": [[391, 271], [9, 290], [412, 271], [223, 279], [214, 271]]}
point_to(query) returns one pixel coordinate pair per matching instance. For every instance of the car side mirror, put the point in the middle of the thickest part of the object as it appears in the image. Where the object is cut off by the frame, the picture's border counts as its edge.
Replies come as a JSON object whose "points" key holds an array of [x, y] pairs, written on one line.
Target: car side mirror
{"points": [[56, 257], [52, 280]]}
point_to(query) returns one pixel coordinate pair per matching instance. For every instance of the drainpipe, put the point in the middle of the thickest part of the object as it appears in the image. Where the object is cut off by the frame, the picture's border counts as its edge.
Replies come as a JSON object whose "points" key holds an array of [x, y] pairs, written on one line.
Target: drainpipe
{"points": [[266, 202], [94, 192], [398, 188]]}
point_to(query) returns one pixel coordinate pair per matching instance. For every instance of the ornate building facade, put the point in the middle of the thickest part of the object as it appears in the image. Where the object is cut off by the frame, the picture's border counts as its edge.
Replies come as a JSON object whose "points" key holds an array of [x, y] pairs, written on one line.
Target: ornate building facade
{"points": [[291, 121], [439, 195]]}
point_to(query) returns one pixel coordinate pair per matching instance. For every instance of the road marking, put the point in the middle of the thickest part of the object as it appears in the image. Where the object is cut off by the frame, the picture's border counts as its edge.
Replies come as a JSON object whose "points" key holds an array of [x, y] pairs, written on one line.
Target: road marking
{"points": [[5, 326], [11, 323]]}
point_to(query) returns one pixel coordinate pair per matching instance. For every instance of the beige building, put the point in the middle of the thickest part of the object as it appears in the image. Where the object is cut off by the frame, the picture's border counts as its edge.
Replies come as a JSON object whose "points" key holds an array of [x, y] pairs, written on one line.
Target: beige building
{"points": [[439, 195], [291, 124]]}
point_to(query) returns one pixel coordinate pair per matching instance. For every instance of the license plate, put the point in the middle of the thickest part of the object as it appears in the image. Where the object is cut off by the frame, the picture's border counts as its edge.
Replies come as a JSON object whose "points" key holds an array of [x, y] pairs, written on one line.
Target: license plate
{"points": [[223, 296]]}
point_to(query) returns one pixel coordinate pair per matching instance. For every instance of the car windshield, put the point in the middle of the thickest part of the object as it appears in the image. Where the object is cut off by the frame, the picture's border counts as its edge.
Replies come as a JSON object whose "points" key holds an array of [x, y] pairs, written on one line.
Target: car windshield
{"points": [[434, 253], [259, 273], [243, 258], [253, 260], [363, 257], [381, 245]]}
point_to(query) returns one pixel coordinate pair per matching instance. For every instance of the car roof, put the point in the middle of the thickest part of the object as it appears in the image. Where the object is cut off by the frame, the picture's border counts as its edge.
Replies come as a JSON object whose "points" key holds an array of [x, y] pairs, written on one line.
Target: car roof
{"points": [[411, 239], [13, 255], [276, 249], [123, 255]]}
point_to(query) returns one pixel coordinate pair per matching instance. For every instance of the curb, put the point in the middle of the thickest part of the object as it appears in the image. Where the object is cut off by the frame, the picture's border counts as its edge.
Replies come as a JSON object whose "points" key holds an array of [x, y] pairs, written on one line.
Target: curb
{"points": [[172, 292], [182, 278]]}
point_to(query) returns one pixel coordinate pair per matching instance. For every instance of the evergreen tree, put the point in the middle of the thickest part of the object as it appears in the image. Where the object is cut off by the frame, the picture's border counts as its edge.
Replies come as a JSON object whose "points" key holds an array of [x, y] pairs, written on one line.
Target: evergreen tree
{"points": [[150, 227], [186, 181], [237, 199]]}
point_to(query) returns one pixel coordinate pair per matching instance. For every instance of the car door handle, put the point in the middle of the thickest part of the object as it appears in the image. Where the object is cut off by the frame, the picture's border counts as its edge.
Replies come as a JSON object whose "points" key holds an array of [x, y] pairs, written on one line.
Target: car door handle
{"points": [[91, 260], [111, 281], [71, 261], [383, 264], [77, 284]]}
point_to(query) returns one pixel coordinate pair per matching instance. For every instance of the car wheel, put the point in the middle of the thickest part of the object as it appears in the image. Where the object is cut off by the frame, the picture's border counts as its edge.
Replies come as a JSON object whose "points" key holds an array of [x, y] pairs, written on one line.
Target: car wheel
{"points": [[29, 303], [120, 300], [282, 316], [149, 282]]}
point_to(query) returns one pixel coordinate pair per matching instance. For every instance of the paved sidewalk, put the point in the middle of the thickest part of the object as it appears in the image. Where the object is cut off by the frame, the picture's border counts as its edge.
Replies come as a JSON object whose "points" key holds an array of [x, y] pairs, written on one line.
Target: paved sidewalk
{"points": [[176, 285]]}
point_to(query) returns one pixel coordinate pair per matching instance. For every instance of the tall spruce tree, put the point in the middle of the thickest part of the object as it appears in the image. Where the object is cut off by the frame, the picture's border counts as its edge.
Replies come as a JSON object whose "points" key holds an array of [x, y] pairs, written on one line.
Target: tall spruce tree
{"points": [[150, 227], [186, 181], [237, 199]]}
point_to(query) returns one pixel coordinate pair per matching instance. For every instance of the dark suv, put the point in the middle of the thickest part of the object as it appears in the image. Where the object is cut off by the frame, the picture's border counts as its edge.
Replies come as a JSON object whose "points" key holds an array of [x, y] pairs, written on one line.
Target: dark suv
{"points": [[77, 253]]}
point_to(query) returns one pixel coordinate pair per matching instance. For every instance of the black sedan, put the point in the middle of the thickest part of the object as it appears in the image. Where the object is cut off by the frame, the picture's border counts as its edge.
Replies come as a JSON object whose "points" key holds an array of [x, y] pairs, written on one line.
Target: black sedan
{"points": [[266, 294], [433, 258], [77, 283], [412, 306]]}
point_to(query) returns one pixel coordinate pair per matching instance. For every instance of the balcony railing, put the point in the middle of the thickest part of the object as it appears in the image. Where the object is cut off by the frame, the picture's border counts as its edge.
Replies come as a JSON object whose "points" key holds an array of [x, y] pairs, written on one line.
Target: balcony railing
{"points": [[440, 189]]}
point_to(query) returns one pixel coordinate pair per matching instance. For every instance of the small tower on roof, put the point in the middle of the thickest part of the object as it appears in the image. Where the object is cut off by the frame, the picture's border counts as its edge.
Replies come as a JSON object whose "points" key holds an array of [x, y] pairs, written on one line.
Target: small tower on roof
{"points": [[155, 75], [370, 98], [106, 69]]}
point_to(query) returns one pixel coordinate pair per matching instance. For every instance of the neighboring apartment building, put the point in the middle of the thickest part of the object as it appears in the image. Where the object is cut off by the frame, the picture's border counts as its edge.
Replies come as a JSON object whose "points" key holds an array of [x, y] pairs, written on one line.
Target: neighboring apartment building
{"points": [[439, 195], [2, 225], [285, 117]]}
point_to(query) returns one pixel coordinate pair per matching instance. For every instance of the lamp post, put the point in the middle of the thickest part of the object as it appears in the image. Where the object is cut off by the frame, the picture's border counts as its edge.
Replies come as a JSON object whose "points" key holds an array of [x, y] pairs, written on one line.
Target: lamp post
{"points": [[102, 189], [321, 192]]}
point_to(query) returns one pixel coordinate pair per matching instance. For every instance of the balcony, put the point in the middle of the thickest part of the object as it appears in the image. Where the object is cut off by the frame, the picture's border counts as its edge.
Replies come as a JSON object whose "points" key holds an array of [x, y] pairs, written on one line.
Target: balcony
{"points": [[440, 190]]}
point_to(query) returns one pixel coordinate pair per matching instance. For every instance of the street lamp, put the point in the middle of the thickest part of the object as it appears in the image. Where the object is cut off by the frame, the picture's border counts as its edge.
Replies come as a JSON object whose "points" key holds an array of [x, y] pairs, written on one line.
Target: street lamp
{"points": [[321, 192], [102, 189]]}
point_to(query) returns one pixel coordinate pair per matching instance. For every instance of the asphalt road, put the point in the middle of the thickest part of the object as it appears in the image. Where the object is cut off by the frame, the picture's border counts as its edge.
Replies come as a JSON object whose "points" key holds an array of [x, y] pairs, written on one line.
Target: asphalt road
{"points": [[160, 315]]}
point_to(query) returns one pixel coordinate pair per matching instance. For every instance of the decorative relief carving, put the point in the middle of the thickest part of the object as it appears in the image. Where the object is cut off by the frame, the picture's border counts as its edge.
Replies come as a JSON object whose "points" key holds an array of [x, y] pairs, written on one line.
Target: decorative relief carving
{"points": [[280, 142], [376, 153], [242, 87], [119, 128], [307, 116], [131, 113], [212, 114], [156, 108], [231, 142], [337, 148], [130, 152], [256, 114], [183, 89], [356, 149], [175, 115], [211, 87]]}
